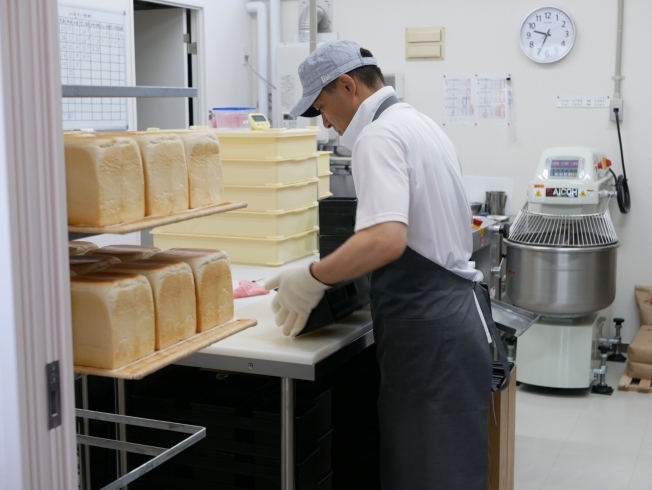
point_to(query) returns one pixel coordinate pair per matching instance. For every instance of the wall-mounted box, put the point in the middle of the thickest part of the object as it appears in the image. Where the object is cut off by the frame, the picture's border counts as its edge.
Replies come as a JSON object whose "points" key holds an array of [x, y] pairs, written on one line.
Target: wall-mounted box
{"points": [[424, 43]]}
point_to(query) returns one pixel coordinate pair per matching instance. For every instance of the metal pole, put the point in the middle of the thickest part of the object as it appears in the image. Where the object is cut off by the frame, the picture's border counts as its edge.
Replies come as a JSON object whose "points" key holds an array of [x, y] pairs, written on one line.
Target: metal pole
{"points": [[619, 50], [287, 434], [85, 422], [313, 39], [122, 428]]}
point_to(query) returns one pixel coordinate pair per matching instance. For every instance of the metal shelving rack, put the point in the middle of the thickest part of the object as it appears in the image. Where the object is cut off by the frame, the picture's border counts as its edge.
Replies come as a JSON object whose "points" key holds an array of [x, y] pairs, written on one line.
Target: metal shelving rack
{"points": [[161, 455], [122, 91]]}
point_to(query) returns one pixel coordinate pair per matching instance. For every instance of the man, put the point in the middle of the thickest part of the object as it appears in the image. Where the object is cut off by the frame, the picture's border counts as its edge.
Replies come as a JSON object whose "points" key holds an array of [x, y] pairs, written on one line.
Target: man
{"points": [[413, 234]]}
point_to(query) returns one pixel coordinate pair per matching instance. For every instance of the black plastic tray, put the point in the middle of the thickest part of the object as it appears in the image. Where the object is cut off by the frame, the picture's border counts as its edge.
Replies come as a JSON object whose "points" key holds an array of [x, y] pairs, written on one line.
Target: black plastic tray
{"points": [[329, 243], [338, 302], [224, 402], [337, 215], [322, 395], [306, 426]]}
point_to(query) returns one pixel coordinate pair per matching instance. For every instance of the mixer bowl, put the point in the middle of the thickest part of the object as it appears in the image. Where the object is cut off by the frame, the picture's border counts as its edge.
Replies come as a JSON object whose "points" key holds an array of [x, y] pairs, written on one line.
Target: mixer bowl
{"points": [[561, 281]]}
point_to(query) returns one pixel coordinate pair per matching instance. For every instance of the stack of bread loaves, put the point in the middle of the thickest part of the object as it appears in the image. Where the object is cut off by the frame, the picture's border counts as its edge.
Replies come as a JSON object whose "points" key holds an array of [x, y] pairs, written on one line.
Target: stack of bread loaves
{"points": [[129, 301], [276, 173], [113, 178]]}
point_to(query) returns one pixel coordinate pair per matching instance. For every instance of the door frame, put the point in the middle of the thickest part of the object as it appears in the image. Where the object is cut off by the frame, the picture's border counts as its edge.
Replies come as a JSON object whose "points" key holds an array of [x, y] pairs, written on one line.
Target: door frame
{"points": [[35, 278]]}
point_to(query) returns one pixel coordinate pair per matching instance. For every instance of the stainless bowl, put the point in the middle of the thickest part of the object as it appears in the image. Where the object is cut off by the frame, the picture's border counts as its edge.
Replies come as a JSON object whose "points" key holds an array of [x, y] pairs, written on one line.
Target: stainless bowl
{"points": [[476, 208], [565, 282]]}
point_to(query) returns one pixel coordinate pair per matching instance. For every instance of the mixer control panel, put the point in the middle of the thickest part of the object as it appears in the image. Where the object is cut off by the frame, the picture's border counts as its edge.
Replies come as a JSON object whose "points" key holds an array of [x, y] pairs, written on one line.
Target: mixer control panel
{"points": [[565, 168], [570, 180]]}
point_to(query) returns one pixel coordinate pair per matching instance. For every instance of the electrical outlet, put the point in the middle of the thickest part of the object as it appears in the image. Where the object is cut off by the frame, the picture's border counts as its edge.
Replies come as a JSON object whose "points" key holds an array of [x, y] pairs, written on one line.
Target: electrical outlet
{"points": [[616, 104], [245, 55]]}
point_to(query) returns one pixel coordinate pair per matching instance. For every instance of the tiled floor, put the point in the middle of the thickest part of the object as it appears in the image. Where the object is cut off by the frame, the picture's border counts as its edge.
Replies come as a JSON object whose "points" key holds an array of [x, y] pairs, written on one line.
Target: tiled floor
{"points": [[577, 440]]}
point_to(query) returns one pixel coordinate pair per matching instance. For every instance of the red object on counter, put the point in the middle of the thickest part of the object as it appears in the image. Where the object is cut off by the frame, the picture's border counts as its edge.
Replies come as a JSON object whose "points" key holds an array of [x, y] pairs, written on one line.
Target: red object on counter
{"points": [[247, 289]]}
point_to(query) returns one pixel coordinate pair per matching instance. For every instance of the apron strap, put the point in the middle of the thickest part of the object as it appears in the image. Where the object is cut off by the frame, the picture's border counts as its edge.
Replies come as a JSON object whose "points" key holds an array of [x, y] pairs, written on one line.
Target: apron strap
{"points": [[485, 306], [386, 105]]}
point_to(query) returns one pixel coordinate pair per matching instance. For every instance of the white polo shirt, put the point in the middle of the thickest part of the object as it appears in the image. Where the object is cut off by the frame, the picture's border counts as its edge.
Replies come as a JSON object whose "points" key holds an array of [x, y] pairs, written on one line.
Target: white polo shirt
{"points": [[406, 169]]}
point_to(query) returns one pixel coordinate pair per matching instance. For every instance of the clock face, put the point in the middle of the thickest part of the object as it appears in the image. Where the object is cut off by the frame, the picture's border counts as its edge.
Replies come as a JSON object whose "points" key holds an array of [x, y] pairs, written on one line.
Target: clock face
{"points": [[547, 35]]}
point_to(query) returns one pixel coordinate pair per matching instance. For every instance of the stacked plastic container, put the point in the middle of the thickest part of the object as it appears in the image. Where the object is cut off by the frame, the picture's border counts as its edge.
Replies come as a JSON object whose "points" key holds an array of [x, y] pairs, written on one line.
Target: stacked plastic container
{"points": [[276, 173], [324, 173]]}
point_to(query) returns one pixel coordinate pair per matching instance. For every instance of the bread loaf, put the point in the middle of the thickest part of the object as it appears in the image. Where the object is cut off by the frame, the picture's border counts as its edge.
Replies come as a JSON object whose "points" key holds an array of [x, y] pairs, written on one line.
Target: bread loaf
{"points": [[83, 264], [113, 320], [127, 253], [104, 179], [213, 284], [78, 247], [204, 167], [173, 289], [166, 172]]}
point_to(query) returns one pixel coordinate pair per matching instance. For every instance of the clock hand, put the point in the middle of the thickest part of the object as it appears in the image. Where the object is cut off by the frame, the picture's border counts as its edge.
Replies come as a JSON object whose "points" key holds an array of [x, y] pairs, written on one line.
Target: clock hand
{"points": [[544, 41], [542, 33]]}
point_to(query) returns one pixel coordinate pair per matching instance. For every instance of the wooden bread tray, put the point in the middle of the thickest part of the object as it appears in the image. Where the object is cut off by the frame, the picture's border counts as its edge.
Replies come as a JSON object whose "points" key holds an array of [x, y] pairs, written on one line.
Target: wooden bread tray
{"points": [[152, 221], [159, 359]]}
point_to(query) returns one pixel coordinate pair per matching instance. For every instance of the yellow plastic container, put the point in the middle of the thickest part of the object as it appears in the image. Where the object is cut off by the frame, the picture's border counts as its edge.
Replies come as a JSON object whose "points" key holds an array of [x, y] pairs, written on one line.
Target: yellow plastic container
{"points": [[271, 143], [274, 197], [251, 225], [271, 252], [269, 171], [325, 186], [324, 158]]}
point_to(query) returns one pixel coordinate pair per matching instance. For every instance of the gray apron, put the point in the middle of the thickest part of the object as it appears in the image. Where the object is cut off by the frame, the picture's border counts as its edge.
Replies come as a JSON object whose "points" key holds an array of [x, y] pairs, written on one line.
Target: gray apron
{"points": [[436, 374]]}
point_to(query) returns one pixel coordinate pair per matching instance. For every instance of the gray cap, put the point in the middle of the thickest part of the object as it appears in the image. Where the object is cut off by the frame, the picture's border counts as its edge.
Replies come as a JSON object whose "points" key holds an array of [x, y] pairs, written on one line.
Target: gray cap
{"points": [[323, 66]]}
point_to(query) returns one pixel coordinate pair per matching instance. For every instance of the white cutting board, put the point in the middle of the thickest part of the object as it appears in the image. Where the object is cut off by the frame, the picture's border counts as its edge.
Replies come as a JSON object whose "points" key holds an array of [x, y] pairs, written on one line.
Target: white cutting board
{"points": [[267, 342]]}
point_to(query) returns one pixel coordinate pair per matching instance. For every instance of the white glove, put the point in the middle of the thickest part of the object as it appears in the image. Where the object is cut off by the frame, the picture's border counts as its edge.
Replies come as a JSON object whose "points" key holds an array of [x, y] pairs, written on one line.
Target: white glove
{"points": [[298, 293]]}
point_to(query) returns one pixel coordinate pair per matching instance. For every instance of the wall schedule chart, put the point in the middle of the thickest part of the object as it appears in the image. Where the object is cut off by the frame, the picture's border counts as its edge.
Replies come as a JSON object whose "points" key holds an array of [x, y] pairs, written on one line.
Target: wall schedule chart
{"points": [[93, 52]]}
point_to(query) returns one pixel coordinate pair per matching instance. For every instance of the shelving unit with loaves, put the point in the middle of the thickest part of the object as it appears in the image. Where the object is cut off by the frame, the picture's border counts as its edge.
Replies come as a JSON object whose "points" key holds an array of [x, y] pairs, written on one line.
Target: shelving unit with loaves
{"points": [[137, 309], [277, 172], [127, 181]]}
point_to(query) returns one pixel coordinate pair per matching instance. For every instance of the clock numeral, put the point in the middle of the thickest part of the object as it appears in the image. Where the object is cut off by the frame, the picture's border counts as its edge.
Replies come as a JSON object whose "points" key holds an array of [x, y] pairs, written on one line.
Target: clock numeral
{"points": [[557, 16], [548, 15], [547, 53], [556, 50], [567, 34], [529, 35], [538, 18], [532, 25], [563, 43], [563, 22], [531, 44]]}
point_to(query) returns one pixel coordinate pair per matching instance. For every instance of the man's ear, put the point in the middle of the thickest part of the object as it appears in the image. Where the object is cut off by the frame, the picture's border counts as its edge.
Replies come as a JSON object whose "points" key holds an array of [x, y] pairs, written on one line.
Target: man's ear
{"points": [[348, 84]]}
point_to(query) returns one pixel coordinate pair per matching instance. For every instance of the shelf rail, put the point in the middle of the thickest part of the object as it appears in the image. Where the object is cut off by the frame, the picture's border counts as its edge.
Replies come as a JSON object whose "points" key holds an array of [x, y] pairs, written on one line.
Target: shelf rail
{"points": [[122, 91], [160, 454]]}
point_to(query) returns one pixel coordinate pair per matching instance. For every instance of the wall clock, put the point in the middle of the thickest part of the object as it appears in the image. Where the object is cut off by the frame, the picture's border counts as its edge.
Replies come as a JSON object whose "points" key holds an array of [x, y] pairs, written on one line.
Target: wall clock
{"points": [[547, 34]]}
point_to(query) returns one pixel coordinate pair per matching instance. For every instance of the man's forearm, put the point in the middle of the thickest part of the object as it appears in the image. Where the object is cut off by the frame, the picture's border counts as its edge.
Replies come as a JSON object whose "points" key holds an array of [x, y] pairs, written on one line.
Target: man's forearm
{"points": [[364, 252]]}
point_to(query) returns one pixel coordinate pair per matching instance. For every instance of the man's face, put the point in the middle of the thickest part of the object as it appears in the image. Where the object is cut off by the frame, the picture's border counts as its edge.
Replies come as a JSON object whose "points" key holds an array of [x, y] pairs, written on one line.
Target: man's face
{"points": [[339, 106]]}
